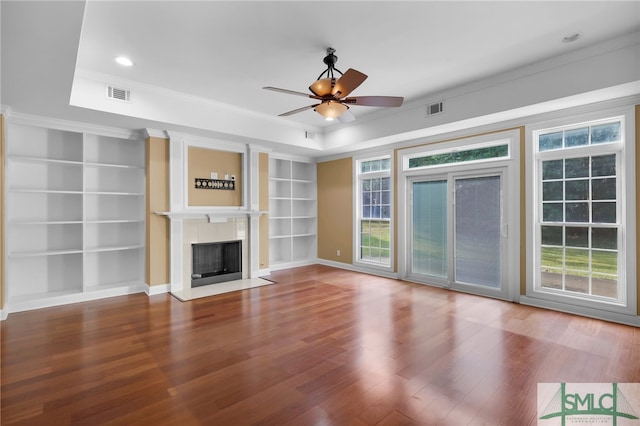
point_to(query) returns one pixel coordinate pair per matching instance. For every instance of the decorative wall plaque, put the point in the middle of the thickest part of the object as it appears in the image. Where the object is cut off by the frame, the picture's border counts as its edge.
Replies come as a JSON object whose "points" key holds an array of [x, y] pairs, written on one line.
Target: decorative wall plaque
{"points": [[202, 183]]}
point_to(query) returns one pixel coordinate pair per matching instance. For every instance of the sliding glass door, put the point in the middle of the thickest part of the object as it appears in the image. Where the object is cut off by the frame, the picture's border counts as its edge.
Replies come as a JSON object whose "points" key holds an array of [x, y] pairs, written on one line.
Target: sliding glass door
{"points": [[478, 239], [457, 231]]}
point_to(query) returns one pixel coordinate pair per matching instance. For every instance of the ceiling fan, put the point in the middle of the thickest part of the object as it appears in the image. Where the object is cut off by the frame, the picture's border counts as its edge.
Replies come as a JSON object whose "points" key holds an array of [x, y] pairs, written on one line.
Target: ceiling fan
{"points": [[332, 92]]}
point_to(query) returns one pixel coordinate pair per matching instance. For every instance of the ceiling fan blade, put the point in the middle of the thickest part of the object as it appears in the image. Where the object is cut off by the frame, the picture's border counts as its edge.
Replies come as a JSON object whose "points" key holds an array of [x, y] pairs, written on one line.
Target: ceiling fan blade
{"points": [[379, 101], [347, 83], [291, 92], [346, 117], [295, 111]]}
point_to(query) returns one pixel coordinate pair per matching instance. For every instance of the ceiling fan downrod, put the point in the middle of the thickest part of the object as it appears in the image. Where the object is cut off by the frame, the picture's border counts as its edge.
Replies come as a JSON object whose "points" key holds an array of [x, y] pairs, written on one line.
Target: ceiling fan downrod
{"points": [[330, 60]]}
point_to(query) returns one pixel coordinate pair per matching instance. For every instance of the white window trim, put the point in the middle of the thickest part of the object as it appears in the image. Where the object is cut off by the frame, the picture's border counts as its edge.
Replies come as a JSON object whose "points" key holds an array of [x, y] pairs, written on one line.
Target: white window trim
{"points": [[574, 303], [357, 208]]}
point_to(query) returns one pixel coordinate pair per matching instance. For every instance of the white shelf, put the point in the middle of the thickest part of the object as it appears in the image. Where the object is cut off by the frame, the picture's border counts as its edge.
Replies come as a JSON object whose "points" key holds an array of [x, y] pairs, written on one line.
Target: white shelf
{"points": [[45, 191], [75, 216], [113, 166], [114, 248], [34, 253], [292, 212], [44, 160]]}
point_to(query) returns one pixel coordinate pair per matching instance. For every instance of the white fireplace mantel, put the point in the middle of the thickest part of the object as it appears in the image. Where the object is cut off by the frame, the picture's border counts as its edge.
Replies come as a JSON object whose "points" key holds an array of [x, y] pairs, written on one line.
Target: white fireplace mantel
{"points": [[215, 215]]}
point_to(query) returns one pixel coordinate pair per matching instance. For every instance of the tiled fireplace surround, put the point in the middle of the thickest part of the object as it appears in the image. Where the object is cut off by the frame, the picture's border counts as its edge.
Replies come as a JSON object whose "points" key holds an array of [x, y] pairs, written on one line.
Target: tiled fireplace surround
{"points": [[190, 225]]}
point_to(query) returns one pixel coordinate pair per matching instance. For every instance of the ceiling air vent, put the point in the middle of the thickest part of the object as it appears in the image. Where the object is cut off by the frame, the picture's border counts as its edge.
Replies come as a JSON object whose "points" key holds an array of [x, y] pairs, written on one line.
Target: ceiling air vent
{"points": [[309, 135], [436, 108], [118, 94]]}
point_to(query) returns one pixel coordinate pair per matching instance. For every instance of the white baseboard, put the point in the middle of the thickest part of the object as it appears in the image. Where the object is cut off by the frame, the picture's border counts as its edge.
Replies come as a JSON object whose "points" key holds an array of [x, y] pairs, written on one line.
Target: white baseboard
{"points": [[151, 290], [364, 270], [264, 272], [48, 302], [632, 320], [288, 265], [4, 312]]}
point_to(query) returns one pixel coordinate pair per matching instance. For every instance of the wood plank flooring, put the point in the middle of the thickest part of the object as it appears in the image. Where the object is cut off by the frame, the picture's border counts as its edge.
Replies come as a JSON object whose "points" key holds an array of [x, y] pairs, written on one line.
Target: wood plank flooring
{"points": [[323, 346]]}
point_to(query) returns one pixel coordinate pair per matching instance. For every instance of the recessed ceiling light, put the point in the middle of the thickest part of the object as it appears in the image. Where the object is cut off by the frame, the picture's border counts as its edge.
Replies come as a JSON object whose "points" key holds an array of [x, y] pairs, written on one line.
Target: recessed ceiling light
{"points": [[571, 38], [124, 61]]}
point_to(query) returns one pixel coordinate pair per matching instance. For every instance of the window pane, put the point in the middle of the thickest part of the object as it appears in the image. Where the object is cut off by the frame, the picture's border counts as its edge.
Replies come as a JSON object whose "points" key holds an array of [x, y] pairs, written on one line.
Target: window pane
{"points": [[604, 238], [576, 282], [552, 169], [365, 166], [366, 212], [551, 279], [577, 212], [375, 165], [552, 212], [551, 258], [605, 133], [384, 241], [366, 185], [552, 191], [385, 164], [366, 198], [576, 259], [605, 262], [460, 156], [375, 184], [366, 255], [577, 189], [576, 137], [386, 183], [550, 141], [385, 212], [386, 196], [577, 236], [603, 189], [603, 165], [604, 212], [384, 256], [604, 285], [552, 235], [576, 167]]}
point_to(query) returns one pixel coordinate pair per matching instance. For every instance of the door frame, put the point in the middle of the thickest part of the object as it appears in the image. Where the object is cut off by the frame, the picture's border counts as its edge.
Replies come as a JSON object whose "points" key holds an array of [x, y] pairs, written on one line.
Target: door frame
{"points": [[511, 195]]}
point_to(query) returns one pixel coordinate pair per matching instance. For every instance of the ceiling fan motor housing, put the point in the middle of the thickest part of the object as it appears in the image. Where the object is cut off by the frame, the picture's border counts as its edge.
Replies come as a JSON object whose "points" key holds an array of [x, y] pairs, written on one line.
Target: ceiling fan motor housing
{"points": [[330, 59]]}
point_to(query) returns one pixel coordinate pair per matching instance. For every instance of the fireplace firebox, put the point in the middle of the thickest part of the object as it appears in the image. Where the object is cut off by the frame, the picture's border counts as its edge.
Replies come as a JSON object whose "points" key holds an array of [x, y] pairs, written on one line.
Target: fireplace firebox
{"points": [[216, 262]]}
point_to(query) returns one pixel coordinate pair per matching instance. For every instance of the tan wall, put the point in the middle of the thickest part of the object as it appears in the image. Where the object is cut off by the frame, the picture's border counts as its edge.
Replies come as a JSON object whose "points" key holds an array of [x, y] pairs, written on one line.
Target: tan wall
{"points": [[202, 162], [157, 200], [2, 230], [263, 205], [335, 210]]}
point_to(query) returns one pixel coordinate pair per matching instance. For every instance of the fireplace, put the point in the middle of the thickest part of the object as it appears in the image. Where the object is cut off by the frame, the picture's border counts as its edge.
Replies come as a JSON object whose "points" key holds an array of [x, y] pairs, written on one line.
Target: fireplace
{"points": [[216, 262]]}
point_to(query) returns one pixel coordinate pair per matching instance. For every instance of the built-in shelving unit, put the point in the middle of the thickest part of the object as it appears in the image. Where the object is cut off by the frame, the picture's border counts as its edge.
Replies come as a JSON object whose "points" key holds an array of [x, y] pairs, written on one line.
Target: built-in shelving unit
{"points": [[292, 213], [75, 216]]}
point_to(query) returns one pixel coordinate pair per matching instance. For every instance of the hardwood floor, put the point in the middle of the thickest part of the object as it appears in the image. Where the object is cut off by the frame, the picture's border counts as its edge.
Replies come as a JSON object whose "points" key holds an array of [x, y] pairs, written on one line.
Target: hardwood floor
{"points": [[323, 346]]}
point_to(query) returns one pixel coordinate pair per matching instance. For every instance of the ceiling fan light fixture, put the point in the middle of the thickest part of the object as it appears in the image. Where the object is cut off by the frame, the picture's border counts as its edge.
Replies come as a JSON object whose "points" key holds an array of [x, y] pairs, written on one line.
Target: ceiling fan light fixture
{"points": [[331, 110], [323, 86]]}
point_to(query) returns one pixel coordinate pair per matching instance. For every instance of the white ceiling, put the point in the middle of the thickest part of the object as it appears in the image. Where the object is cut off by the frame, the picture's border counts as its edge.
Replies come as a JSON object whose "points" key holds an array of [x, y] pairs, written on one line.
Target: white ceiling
{"points": [[226, 51]]}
